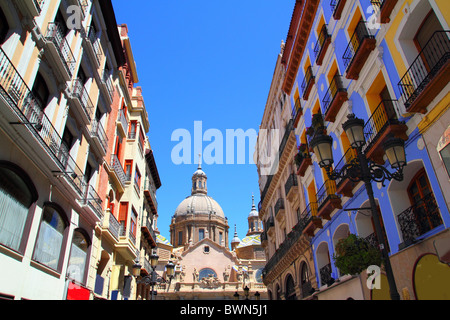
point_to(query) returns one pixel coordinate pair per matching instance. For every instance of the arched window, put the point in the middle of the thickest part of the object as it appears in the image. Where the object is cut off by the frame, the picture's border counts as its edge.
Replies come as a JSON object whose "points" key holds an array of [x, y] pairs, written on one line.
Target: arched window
{"points": [[258, 275], [290, 289], [206, 273], [78, 255], [52, 229], [17, 194], [305, 284]]}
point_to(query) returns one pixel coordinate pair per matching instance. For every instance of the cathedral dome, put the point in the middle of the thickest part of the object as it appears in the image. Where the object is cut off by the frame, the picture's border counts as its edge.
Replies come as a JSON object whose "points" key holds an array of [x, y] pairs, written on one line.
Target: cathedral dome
{"points": [[199, 204]]}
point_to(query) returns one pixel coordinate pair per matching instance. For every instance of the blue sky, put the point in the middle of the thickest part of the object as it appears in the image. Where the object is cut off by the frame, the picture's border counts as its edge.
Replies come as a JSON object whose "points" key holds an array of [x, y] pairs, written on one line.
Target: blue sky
{"points": [[209, 61]]}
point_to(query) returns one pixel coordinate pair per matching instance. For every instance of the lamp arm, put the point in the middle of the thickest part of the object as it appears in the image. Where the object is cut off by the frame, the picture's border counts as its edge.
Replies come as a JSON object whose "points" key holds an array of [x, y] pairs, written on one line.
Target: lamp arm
{"points": [[380, 174]]}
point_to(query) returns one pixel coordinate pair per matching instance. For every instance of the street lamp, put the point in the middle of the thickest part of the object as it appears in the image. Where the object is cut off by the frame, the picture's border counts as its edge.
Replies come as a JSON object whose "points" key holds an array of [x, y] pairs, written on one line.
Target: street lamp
{"points": [[362, 169], [246, 292], [153, 278], [257, 295], [236, 296]]}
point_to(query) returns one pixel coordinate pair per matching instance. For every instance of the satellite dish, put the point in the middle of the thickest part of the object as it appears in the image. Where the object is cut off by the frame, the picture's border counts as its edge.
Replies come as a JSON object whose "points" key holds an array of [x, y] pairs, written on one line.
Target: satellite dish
{"points": [[442, 247]]}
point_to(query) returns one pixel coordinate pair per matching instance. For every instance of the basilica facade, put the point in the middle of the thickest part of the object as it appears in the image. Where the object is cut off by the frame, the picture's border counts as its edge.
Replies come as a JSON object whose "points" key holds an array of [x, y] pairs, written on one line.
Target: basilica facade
{"points": [[205, 265]]}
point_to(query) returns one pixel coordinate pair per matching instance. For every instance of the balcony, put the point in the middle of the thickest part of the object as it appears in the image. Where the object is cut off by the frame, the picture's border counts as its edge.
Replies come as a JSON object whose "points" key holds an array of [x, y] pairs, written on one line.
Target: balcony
{"points": [[20, 106], [419, 219], [126, 245], [84, 108], [325, 275], [327, 200], [59, 51], [149, 193], [108, 86], [93, 201], [310, 219], [122, 122], [428, 74], [385, 8], [308, 83], [334, 98], [270, 225], [337, 6], [358, 50], [297, 112], [83, 4], [148, 232], [289, 187], [322, 44], [118, 172], [382, 124], [279, 210], [344, 186], [30, 8], [303, 161], [92, 44], [111, 226], [99, 137]]}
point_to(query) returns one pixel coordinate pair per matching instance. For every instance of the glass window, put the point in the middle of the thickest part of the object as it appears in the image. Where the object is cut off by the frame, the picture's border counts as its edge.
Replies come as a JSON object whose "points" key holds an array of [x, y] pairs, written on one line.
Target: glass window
{"points": [[206, 273], [50, 237], [445, 154], [258, 275], [78, 256], [16, 198], [201, 234]]}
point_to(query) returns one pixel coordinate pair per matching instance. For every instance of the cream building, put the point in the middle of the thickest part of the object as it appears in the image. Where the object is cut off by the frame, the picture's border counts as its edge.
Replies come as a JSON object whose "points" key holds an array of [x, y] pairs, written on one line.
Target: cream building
{"points": [[206, 268]]}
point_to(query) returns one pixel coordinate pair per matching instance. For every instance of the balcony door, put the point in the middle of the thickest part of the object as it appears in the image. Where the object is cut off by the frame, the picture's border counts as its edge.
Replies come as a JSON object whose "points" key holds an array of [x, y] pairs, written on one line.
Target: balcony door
{"points": [[426, 213], [428, 27]]}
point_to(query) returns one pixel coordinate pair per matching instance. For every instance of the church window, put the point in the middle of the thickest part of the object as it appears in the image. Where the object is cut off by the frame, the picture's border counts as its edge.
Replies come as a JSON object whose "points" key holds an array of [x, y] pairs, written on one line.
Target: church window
{"points": [[206, 273], [206, 249], [201, 234]]}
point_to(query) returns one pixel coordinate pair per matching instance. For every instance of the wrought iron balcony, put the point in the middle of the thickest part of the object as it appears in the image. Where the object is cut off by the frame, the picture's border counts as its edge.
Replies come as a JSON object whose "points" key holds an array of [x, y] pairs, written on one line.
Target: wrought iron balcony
{"points": [[122, 122], [108, 84], [279, 208], [325, 275], [358, 50], [82, 101], [327, 200], [382, 124], [28, 109], [149, 233], [287, 133], [92, 199], [118, 170], [419, 219], [303, 161], [111, 224], [297, 112], [385, 8], [99, 136], [59, 48], [428, 74], [93, 45], [344, 185], [334, 98], [149, 192], [310, 219], [308, 83], [337, 6], [323, 41], [289, 187]]}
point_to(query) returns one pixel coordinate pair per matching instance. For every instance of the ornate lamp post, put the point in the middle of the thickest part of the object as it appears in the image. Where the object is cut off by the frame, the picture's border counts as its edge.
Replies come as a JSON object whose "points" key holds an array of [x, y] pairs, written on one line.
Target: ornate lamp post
{"points": [[362, 169], [153, 278]]}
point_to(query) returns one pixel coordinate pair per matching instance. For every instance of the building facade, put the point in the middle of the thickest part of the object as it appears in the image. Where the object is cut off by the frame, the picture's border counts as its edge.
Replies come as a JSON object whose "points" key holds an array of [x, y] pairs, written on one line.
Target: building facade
{"points": [[65, 77], [385, 62]]}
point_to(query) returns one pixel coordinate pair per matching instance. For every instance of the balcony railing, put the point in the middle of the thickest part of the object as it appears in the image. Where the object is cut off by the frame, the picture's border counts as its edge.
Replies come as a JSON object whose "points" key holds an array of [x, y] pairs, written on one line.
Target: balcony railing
{"points": [[325, 274], [428, 74], [289, 129], [327, 200], [385, 8], [94, 39], [55, 35], [93, 200], [29, 110], [419, 218], [344, 185], [118, 169], [149, 192], [308, 82], [334, 98], [322, 43], [381, 124], [122, 120], [291, 182], [358, 49], [80, 93], [297, 112], [337, 6], [106, 78], [279, 205], [98, 132]]}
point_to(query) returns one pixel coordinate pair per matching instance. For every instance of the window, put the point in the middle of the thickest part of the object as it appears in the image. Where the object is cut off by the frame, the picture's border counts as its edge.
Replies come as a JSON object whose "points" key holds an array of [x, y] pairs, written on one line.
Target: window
{"points": [[123, 214], [201, 234], [206, 273], [180, 238], [133, 225], [258, 275], [133, 129], [4, 27], [17, 194], [128, 169], [40, 91], [220, 237], [445, 155], [78, 255], [137, 179], [206, 249], [52, 229]]}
